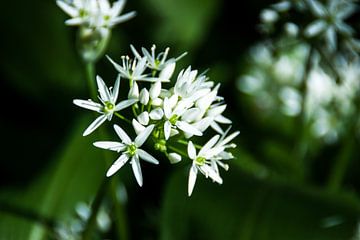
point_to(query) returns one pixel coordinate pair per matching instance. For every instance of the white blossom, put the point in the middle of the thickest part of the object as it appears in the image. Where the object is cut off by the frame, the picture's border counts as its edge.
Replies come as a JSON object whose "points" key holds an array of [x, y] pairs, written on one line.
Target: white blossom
{"points": [[108, 106], [130, 150]]}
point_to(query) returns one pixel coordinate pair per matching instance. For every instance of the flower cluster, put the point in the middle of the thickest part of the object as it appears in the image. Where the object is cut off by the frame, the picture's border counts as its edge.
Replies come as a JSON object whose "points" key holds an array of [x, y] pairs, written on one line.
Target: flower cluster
{"points": [[327, 25], [168, 117], [273, 82]]}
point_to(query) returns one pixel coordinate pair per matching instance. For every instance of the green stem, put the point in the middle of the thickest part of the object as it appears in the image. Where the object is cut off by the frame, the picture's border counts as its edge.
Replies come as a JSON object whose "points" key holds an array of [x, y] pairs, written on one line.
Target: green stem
{"points": [[301, 148], [119, 216], [177, 151], [186, 143], [90, 76], [122, 117]]}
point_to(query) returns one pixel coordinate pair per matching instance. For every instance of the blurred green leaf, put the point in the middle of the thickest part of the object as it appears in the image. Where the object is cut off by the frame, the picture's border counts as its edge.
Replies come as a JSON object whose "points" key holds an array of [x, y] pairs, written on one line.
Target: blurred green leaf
{"points": [[74, 176], [184, 22], [38, 55], [245, 208]]}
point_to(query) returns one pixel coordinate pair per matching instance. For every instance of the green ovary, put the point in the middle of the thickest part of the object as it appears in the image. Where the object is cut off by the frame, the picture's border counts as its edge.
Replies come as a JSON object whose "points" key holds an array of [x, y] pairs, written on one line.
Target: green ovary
{"points": [[173, 119], [200, 161], [109, 107], [131, 149]]}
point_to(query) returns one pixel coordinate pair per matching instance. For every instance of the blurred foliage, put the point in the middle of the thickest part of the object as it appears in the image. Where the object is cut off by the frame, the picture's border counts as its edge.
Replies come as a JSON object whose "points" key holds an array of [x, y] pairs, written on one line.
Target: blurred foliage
{"points": [[47, 167]]}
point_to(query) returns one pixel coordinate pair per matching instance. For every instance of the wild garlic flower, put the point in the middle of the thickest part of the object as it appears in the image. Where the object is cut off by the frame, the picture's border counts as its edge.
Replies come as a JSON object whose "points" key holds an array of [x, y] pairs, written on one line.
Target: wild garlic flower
{"points": [[94, 13], [154, 62], [108, 105], [130, 150], [167, 112], [202, 162], [330, 20]]}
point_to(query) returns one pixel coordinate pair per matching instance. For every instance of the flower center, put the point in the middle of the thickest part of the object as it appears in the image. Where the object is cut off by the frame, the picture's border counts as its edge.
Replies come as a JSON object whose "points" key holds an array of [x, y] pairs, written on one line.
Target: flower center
{"points": [[109, 107], [131, 149], [200, 161], [173, 119], [106, 17], [82, 13]]}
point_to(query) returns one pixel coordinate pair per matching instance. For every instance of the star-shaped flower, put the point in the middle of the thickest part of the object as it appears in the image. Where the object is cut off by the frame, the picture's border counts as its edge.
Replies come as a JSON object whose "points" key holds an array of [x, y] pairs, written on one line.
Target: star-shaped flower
{"points": [[202, 162], [108, 106], [130, 150]]}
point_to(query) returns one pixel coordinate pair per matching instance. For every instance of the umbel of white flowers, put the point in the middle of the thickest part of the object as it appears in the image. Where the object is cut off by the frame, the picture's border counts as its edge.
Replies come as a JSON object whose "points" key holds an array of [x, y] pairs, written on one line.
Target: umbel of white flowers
{"points": [[169, 118], [95, 19]]}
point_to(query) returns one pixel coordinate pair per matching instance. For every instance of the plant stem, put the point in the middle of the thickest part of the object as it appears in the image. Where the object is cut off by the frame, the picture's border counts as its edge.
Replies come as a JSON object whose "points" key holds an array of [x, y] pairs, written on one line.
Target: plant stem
{"points": [[119, 216], [186, 143], [122, 117], [177, 151], [301, 147]]}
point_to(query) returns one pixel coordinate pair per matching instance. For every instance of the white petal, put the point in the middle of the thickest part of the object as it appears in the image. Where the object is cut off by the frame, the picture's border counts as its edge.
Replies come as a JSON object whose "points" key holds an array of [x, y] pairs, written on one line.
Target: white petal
{"points": [[115, 91], [315, 28], [141, 138], [104, 5], [140, 67], [134, 91], [156, 114], [215, 111], [124, 104], [230, 137], [173, 132], [211, 173], [203, 124], [143, 118], [167, 72], [117, 7], [147, 157], [88, 104], [157, 102], [209, 145], [135, 164], [222, 119], [174, 158], [144, 96], [74, 21], [123, 18], [137, 126], [117, 165], [103, 90], [109, 145], [167, 129], [122, 134], [173, 100], [191, 114], [167, 108], [136, 54], [192, 179], [73, 12], [155, 89], [191, 150], [95, 124], [188, 128], [216, 127]]}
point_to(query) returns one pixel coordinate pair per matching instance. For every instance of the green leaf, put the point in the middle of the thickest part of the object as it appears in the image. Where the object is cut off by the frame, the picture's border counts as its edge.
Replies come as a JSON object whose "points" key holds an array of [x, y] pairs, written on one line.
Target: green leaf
{"points": [[244, 208], [74, 176]]}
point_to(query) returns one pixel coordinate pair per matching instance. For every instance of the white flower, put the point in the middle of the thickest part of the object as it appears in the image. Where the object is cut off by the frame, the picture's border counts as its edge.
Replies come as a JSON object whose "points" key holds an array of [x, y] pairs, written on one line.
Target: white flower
{"points": [[158, 62], [144, 96], [94, 13], [202, 163], [130, 150], [131, 69], [143, 118], [110, 16], [108, 106], [190, 86], [173, 112], [330, 20]]}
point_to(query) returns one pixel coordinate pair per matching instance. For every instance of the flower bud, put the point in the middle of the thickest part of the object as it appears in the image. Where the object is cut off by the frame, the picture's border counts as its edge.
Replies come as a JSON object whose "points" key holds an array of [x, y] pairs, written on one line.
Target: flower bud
{"points": [[144, 96], [157, 102], [137, 127], [155, 90], [134, 91], [143, 118], [156, 114], [167, 72], [174, 158]]}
